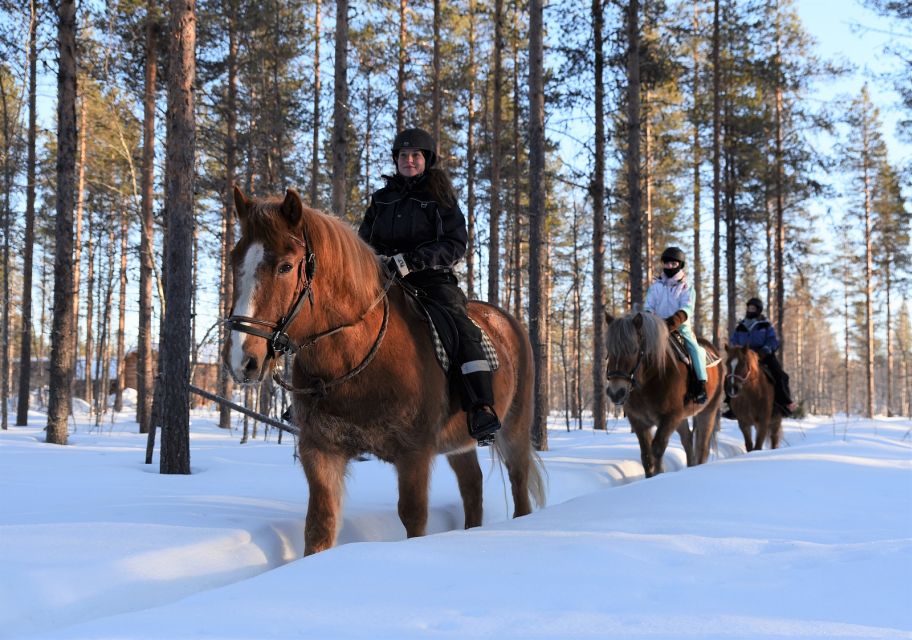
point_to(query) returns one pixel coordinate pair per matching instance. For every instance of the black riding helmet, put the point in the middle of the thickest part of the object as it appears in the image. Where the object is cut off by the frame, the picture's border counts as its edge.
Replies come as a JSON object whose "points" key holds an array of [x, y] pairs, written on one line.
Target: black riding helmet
{"points": [[416, 139], [673, 253]]}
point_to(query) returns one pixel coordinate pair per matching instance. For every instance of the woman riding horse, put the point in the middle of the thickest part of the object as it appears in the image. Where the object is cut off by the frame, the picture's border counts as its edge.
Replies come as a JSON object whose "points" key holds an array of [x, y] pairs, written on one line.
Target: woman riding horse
{"points": [[416, 224]]}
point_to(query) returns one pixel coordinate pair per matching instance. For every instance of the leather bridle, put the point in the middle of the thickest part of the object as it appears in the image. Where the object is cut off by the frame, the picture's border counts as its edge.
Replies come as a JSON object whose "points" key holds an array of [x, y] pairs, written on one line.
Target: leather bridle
{"points": [[276, 333]]}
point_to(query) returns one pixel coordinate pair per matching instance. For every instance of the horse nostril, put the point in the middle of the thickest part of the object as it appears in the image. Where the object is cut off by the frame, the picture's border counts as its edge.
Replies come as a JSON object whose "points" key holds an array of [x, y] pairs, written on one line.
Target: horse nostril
{"points": [[250, 367]]}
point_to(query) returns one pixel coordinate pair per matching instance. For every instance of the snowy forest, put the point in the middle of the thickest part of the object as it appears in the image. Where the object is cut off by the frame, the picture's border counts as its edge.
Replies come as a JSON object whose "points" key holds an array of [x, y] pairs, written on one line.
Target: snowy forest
{"points": [[582, 139]]}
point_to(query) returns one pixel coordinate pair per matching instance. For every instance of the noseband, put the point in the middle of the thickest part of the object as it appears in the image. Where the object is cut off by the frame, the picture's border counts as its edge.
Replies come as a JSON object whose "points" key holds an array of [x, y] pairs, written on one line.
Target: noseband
{"points": [[732, 378], [629, 377], [279, 340]]}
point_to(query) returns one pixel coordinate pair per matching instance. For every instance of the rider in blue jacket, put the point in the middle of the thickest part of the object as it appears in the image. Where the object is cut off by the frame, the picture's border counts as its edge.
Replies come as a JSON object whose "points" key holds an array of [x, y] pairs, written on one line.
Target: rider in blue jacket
{"points": [[758, 333]]}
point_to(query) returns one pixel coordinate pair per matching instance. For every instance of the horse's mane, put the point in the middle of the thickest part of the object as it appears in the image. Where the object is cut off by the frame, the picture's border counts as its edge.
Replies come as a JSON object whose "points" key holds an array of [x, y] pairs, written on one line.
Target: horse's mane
{"points": [[622, 340], [345, 264]]}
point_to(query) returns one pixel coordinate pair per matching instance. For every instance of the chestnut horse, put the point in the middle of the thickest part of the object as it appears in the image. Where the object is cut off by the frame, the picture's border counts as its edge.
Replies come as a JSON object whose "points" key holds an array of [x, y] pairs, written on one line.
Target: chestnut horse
{"points": [[365, 378], [751, 398], [649, 381]]}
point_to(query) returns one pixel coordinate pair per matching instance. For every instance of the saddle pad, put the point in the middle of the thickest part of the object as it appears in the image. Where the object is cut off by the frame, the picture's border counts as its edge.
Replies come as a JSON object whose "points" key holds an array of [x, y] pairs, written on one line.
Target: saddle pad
{"points": [[680, 350], [443, 355]]}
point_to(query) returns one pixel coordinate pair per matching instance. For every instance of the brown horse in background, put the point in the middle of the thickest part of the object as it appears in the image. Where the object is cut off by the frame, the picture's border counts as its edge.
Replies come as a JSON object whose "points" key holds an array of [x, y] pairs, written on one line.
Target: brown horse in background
{"points": [[751, 398], [651, 383], [365, 376]]}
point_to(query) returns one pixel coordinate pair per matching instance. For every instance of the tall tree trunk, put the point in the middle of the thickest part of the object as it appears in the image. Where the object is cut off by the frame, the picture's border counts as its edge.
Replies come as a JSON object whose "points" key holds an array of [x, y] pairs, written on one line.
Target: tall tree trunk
{"points": [[516, 239], [82, 136], [62, 338], [400, 76], [597, 192], [340, 110], [731, 239], [494, 194], [697, 271], [717, 165], [889, 337], [121, 313], [538, 306], [144, 381], [868, 269], [7, 226], [25, 341], [181, 145], [88, 393], [648, 178], [780, 224], [225, 384], [470, 159], [315, 148], [435, 98], [634, 215]]}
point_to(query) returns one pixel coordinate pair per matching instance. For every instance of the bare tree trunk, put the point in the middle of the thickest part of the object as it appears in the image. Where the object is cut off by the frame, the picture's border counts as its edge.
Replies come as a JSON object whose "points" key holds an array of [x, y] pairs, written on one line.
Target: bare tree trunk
{"points": [[121, 314], [315, 148], [400, 77], [340, 110], [516, 239], [494, 194], [82, 136], [144, 383], [103, 362], [731, 240], [868, 272], [62, 338], [435, 98], [90, 310], [597, 193], [889, 337], [8, 120], [225, 384], [847, 344], [780, 225], [538, 305], [697, 283], [181, 145], [470, 159], [25, 341], [634, 215], [647, 178], [717, 165]]}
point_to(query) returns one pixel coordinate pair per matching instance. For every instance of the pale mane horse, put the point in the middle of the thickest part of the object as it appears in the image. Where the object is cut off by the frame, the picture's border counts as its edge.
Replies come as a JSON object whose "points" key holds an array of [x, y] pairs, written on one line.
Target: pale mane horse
{"points": [[651, 383]]}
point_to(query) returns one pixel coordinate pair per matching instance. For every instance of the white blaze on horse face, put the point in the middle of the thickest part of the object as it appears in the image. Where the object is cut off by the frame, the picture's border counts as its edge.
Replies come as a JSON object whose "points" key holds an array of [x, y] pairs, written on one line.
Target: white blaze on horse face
{"points": [[246, 292]]}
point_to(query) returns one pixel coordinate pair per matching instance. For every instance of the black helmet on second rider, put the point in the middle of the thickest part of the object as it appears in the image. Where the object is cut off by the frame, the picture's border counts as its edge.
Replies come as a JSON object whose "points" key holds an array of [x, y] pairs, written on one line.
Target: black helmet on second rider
{"points": [[676, 254], [416, 139]]}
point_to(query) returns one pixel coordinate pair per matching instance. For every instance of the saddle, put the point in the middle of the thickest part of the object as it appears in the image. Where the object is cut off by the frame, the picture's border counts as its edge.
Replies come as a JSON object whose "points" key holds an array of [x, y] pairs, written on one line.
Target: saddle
{"points": [[679, 348], [444, 334]]}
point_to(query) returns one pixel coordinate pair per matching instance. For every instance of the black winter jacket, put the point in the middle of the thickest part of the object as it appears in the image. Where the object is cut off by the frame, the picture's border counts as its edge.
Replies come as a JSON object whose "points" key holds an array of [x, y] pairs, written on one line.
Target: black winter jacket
{"points": [[404, 218]]}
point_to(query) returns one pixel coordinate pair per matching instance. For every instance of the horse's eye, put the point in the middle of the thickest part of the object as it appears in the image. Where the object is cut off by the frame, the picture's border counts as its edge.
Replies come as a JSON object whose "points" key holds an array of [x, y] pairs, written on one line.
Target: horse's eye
{"points": [[285, 267]]}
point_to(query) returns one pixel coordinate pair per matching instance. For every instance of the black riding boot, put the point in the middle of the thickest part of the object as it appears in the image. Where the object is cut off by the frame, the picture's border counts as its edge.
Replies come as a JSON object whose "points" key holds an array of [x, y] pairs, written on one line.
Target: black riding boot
{"points": [[700, 396], [482, 420]]}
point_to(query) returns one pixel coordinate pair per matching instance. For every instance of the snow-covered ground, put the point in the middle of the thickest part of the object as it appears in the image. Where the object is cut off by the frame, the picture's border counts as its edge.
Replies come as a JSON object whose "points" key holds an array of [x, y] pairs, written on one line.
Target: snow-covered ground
{"points": [[811, 541]]}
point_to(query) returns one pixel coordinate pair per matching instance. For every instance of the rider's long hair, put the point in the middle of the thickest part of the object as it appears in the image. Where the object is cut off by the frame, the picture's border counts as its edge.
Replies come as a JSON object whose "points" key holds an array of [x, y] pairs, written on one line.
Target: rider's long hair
{"points": [[441, 187]]}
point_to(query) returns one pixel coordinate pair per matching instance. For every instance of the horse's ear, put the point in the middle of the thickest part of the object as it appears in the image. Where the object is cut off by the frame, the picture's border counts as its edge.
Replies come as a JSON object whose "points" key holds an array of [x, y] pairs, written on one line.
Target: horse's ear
{"points": [[241, 203], [292, 208], [608, 318], [726, 346], [638, 321]]}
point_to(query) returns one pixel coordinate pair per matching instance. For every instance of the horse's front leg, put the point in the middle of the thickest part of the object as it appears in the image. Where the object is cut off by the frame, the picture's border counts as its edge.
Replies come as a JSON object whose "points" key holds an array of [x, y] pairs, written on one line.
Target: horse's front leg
{"points": [[643, 431], [414, 469], [687, 441], [326, 478], [468, 475], [745, 426], [663, 433]]}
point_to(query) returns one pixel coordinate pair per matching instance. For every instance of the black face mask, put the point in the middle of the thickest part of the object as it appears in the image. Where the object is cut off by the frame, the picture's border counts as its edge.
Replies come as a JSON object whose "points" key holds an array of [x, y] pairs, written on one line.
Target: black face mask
{"points": [[671, 273], [750, 315]]}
